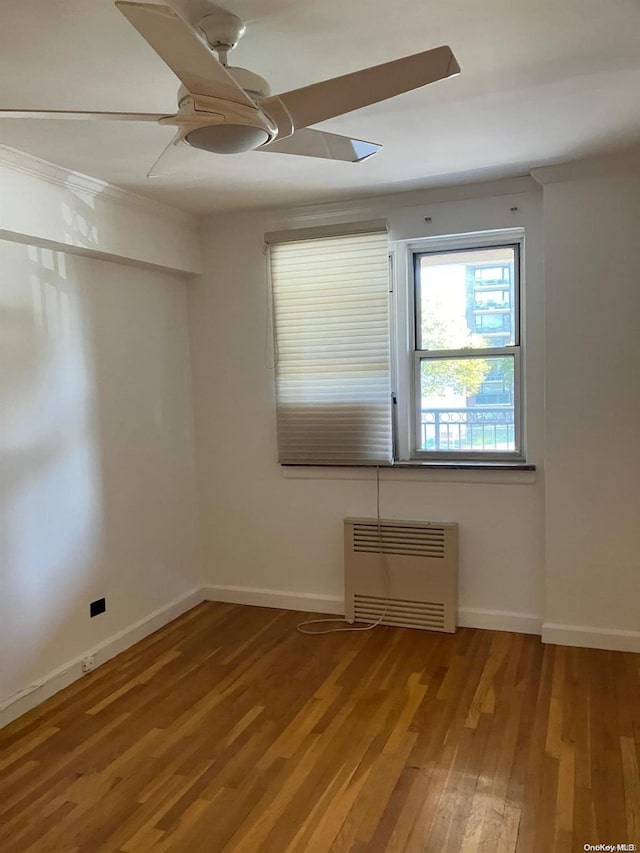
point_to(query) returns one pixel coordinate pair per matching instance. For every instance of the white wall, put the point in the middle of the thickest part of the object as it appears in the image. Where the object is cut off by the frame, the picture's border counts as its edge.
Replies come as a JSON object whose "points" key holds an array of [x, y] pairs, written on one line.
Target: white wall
{"points": [[268, 530], [96, 454], [593, 408], [97, 484]]}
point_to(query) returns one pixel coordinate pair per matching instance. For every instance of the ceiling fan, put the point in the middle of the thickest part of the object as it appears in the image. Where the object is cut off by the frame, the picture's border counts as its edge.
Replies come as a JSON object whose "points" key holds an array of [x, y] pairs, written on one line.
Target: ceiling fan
{"points": [[229, 110]]}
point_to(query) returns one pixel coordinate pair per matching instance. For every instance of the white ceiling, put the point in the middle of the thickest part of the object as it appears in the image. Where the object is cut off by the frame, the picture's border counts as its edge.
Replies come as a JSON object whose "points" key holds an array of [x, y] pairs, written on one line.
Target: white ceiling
{"points": [[542, 81]]}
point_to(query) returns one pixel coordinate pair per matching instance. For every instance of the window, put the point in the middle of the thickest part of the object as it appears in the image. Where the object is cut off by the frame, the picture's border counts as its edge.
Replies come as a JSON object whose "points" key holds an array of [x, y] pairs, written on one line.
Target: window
{"points": [[420, 365], [462, 351]]}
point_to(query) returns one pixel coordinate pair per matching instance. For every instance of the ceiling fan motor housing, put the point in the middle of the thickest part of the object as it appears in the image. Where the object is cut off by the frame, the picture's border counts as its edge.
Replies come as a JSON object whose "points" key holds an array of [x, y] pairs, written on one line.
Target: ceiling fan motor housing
{"points": [[254, 85]]}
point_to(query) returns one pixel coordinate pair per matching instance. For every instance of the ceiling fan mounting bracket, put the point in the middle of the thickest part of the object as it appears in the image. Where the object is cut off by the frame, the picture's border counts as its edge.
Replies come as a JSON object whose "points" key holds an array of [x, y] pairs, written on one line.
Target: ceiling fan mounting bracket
{"points": [[223, 31]]}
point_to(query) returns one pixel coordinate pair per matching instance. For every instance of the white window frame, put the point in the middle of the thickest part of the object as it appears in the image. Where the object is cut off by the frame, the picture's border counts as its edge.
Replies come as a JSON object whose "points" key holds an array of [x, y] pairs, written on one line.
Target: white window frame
{"points": [[406, 358]]}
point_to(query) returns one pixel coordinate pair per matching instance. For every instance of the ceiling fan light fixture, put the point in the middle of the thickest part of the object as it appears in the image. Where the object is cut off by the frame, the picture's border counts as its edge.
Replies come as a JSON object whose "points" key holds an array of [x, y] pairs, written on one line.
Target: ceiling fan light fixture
{"points": [[227, 138]]}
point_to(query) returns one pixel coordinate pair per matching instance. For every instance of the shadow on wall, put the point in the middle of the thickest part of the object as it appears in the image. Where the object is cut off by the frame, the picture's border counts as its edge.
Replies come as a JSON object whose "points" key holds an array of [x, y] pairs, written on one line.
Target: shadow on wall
{"points": [[96, 466], [50, 478]]}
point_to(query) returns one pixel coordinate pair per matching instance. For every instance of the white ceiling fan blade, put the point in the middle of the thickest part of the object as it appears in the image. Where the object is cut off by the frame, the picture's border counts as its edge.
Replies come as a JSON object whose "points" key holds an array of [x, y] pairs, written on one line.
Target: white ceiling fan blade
{"points": [[170, 159], [330, 146], [183, 51], [81, 114], [330, 98]]}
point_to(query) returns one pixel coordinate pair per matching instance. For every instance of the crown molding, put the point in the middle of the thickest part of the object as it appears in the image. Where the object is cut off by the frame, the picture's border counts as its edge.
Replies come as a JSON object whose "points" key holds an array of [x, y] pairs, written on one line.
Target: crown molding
{"points": [[592, 167], [27, 164]]}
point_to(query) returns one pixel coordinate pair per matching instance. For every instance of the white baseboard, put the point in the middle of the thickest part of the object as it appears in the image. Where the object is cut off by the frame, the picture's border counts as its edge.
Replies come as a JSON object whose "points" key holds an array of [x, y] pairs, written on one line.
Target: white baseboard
{"points": [[499, 620], [591, 638], [17, 705], [310, 602]]}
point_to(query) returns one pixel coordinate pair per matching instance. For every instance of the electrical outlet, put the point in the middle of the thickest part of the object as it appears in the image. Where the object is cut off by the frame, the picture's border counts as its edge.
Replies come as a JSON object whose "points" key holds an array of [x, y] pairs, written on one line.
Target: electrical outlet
{"points": [[97, 607], [88, 663]]}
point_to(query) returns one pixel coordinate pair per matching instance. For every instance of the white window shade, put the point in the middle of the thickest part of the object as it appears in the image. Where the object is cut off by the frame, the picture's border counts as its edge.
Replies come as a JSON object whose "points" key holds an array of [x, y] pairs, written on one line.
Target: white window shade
{"points": [[331, 319]]}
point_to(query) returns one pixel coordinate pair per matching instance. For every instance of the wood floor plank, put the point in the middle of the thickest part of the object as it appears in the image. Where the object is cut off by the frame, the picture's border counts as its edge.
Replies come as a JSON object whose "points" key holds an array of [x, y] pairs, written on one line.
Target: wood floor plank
{"points": [[631, 778], [227, 731]]}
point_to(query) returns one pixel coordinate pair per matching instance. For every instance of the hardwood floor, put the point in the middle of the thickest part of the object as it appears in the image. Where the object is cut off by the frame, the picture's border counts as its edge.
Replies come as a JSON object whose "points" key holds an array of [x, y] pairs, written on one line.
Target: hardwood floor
{"points": [[229, 731]]}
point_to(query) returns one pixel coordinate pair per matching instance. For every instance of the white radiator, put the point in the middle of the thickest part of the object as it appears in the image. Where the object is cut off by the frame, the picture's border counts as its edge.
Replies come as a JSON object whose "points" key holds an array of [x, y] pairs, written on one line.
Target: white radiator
{"points": [[421, 562]]}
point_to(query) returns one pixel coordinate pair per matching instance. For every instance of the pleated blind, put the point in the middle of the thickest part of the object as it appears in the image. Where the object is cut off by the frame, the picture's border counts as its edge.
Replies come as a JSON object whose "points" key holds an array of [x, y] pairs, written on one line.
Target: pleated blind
{"points": [[331, 324]]}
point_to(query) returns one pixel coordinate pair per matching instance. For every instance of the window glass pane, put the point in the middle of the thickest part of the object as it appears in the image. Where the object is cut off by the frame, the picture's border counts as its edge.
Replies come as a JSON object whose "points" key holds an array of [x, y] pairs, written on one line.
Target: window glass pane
{"points": [[465, 299], [467, 404]]}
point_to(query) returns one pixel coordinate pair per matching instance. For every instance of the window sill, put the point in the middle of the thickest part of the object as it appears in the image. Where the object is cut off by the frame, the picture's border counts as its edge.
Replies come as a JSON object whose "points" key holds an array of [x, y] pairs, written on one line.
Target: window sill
{"points": [[499, 473], [451, 464]]}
